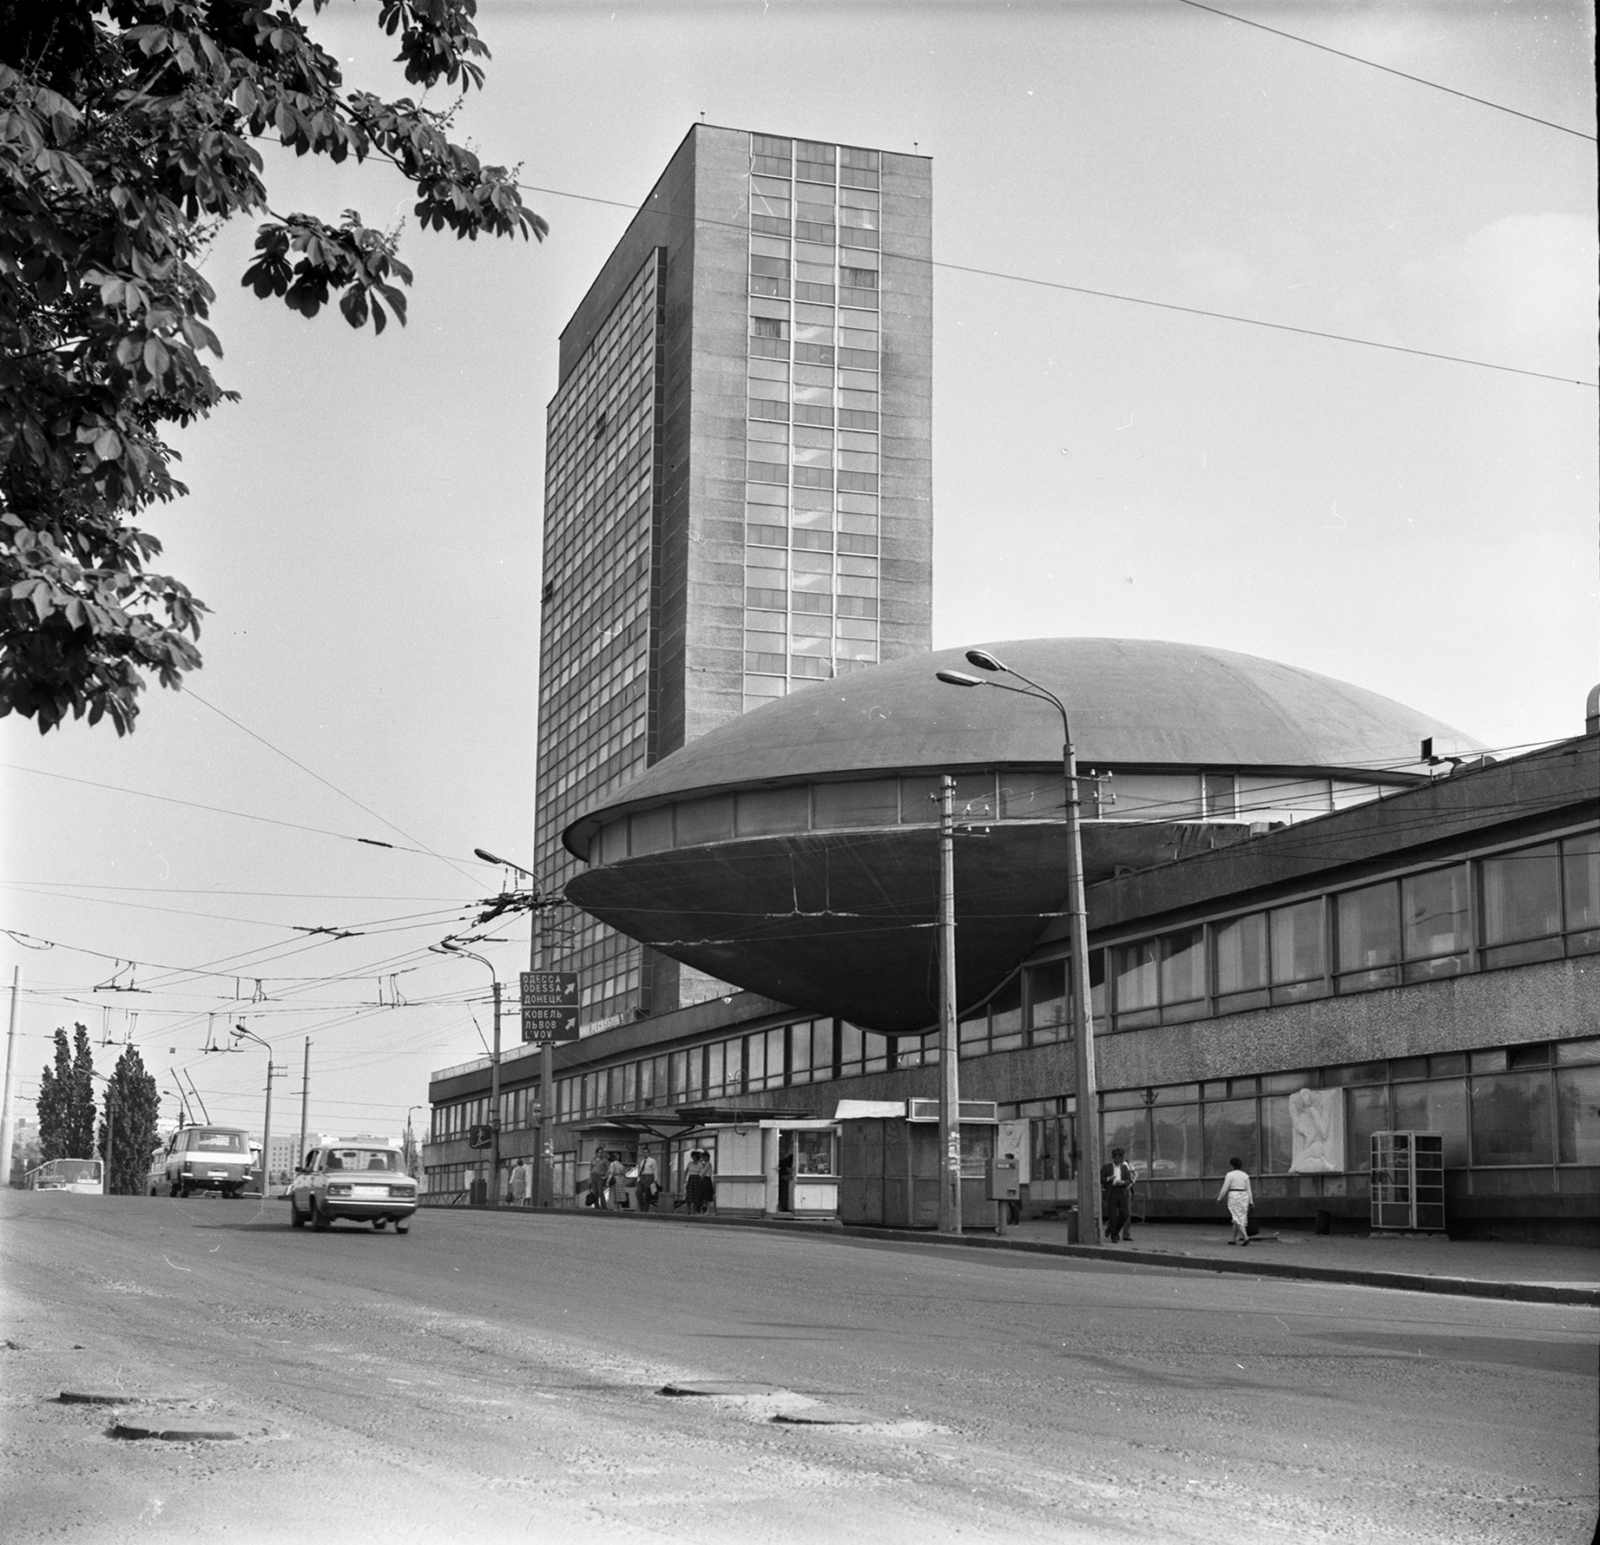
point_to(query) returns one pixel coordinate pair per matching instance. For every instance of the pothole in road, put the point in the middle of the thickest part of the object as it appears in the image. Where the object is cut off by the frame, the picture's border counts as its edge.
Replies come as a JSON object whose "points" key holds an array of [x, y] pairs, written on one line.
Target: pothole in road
{"points": [[132, 1432], [728, 1388]]}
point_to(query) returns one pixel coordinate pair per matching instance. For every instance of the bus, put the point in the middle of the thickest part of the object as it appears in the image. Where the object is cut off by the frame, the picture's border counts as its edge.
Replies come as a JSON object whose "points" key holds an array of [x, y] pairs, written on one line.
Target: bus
{"points": [[82, 1175]]}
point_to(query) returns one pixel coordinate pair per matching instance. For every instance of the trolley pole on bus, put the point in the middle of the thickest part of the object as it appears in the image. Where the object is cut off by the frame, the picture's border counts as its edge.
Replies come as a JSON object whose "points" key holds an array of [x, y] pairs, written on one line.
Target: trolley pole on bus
{"points": [[241, 1034]]}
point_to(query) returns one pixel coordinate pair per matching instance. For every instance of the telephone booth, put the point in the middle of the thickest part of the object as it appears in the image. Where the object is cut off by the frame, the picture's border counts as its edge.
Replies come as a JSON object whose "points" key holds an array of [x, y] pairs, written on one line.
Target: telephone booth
{"points": [[1407, 1182]]}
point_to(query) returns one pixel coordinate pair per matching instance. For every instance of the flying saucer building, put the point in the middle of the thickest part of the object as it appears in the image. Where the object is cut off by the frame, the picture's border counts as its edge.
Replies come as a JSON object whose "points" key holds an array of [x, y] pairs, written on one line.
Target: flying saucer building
{"points": [[1291, 904]]}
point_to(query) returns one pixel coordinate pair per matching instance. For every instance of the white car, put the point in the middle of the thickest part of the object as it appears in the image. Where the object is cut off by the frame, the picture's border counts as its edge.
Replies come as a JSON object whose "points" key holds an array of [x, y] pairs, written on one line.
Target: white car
{"points": [[359, 1178], [202, 1158]]}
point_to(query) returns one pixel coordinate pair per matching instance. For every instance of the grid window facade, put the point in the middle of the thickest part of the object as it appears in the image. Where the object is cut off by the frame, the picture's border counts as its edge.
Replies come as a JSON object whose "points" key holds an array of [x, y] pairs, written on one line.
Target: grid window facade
{"points": [[602, 489], [812, 425]]}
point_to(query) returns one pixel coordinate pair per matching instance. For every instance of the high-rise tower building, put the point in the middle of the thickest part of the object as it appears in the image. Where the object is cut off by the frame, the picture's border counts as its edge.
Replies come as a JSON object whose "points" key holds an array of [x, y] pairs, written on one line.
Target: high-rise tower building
{"points": [[737, 481]]}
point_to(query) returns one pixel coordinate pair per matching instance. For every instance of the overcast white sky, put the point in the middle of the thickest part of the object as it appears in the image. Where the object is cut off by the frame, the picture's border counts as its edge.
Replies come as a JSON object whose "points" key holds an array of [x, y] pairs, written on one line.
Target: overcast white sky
{"points": [[365, 523]]}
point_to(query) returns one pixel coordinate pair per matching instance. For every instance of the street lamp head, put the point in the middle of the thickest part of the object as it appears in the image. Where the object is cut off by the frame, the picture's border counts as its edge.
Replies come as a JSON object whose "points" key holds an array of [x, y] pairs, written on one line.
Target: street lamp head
{"points": [[958, 679], [489, 858], [983, 660]]}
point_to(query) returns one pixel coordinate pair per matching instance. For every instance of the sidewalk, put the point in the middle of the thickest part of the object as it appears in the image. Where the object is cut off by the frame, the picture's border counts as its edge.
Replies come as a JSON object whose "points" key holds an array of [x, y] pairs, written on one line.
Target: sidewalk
{"points": [[1529, 1273], [1427, 1263]]}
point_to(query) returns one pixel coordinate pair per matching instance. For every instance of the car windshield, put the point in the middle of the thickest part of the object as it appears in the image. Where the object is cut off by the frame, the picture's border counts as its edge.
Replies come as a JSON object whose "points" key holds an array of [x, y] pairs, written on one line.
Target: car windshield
{"points": [[364, 1158], [218, 1142]]}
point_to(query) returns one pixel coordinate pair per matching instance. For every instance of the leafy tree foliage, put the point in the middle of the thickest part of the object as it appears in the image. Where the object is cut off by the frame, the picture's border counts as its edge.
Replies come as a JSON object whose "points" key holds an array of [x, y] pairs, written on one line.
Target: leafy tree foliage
{"points": [[66, 1099], [132, 1115], [126, 131]]}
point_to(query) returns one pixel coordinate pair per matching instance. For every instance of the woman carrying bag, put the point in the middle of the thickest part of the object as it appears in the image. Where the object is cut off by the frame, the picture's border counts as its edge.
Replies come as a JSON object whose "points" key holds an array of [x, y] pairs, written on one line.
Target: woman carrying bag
{"points": [[1236, 1193]]}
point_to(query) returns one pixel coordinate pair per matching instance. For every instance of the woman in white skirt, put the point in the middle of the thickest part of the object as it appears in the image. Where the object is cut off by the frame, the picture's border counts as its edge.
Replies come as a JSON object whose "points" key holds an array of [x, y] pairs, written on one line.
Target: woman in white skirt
{"points": [[1236, 1193]]}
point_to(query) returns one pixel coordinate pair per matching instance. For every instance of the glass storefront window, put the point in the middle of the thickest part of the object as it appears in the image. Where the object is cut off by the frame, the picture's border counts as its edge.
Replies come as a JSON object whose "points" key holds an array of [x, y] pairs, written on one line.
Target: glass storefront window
{"points": [[1578, 1116], [1230, 1131], [1175, 1148], [1366, 1112], [813, 1153], [1129, 1129], [1277, 1135], [1511, 1119], [1436, 1107], [1369, 936]]}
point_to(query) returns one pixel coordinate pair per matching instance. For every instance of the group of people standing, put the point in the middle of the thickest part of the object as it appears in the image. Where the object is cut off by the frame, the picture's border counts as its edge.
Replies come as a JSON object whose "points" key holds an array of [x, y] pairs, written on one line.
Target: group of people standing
{"points": [[610, 1180]]}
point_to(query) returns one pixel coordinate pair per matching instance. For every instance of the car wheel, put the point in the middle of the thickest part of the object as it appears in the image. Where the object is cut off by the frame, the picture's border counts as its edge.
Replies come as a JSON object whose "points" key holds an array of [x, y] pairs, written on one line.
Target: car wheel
{"points": [[320, 1221], [401, 1228], [380, 1224], [296, 1220], [181, 1191]]}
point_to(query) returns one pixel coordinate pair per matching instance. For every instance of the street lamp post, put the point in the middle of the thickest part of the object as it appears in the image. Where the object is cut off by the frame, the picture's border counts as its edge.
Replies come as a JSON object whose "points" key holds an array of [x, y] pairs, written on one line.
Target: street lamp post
{"points": [[241, 1034], [949, 1031], [494, 1074], [1088, 1123]]}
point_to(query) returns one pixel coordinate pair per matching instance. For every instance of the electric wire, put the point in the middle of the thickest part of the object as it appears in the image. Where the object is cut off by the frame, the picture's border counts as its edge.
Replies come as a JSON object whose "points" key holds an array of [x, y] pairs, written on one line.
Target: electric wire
{"points": [[1114, 295], [1372, 64], [311, 773]]}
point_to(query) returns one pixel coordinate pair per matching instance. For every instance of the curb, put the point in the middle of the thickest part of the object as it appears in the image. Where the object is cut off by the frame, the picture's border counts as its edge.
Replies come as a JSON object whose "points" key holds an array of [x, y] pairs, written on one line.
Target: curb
{"points": [[1405, 1282]]}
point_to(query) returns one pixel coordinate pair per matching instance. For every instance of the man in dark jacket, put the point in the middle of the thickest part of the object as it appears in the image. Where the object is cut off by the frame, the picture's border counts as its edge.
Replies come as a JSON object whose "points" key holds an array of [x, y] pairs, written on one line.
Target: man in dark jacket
{"points": [[1116, 1196]]}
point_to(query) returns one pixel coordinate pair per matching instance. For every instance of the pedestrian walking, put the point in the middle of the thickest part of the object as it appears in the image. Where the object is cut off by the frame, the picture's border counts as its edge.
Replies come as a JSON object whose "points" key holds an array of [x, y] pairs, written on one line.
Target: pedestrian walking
{"points": [[1116, 1186], [519, 1183], [598, 1166], [646, 1187], [616, 1183], [1236, 1193]]}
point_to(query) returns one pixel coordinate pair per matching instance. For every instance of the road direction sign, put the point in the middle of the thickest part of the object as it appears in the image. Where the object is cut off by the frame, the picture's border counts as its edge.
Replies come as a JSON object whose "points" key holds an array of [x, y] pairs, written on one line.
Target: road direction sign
{"points": [[549, 1005]]}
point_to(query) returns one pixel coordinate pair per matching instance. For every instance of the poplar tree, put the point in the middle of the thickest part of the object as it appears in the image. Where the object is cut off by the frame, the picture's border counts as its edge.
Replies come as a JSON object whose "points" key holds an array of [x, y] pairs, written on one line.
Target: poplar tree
{"points": [[131, 1119]]}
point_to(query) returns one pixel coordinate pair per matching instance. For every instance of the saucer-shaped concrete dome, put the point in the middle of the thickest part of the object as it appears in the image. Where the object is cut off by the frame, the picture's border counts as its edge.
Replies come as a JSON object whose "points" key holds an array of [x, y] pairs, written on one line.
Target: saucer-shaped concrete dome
{"points": [[793, 851]]}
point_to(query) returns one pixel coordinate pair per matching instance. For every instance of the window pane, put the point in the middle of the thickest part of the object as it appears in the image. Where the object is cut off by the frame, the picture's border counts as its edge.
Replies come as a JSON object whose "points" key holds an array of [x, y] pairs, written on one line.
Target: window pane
{"points": [[1129, 1129], [1296, 942], [1435, 910], [874, 803], [1150, 797], [1230, 1127], [1033, 796], [1366, 1112], [1176, 1151], [1241, 953], [705, 820], [1522, 895], [1511, 1119], [1369, 934], [1578, 1122], [1135, 969], [1277, 1135], [763, 811], [1047, 1000], [849, 1047], [755, 1061], [1183, 966], [1580, 860], [1437, 1107], [1005, 1015], [716, 1072]]}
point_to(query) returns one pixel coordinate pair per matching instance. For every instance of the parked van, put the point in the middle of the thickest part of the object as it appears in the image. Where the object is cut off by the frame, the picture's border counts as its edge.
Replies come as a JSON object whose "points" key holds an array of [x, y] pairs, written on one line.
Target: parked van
{"points": [[202, 1158]]}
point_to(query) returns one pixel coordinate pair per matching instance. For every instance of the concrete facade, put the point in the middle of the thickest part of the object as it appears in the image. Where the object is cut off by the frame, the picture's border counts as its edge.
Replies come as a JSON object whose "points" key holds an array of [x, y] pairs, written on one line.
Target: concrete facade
{"points": [[623, 687]]}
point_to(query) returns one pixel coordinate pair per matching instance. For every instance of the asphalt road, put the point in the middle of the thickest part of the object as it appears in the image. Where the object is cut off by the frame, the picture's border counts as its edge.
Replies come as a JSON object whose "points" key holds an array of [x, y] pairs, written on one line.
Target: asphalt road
{"points": [[494, 1378]]}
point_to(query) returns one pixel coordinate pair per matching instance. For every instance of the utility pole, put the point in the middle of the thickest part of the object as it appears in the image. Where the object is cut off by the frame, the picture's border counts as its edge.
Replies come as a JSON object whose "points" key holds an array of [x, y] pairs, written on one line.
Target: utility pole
{"points": [[305, 1092], [8, 1130], [547, 1081], [494, 1104], [949, 1049]]}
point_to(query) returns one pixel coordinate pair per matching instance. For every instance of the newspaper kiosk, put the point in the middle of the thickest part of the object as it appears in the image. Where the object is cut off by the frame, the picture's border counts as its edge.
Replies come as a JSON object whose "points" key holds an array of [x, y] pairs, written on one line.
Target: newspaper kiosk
{"points": [[889, 1162]]}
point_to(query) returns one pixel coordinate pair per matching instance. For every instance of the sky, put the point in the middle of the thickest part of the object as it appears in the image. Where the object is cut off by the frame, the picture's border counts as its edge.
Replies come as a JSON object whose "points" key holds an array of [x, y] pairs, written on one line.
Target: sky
{"points": [[365, 523]]}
